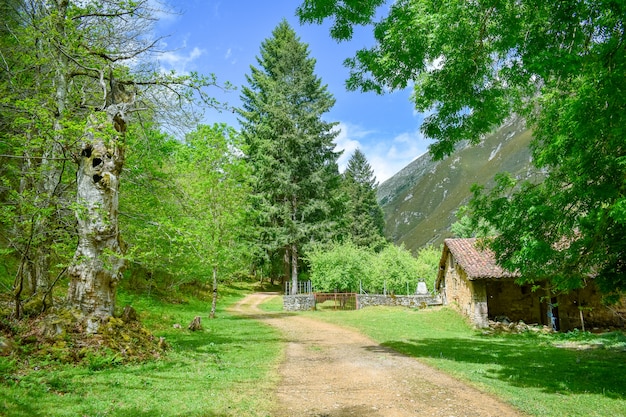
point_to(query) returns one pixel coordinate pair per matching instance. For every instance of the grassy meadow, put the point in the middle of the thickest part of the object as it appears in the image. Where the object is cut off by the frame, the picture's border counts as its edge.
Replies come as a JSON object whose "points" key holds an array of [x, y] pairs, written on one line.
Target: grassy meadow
{"points": [[227, 369], [230, 367]]}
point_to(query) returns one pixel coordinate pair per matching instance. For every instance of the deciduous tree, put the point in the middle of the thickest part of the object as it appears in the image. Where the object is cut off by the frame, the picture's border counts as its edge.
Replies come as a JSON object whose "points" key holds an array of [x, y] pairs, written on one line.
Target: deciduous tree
{"points": [[559, 64], [213, 178], [84, 74]]}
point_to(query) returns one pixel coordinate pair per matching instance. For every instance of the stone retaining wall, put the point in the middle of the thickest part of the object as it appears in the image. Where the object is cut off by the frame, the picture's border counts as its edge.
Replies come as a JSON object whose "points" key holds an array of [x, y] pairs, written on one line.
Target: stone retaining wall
{"points": [[303, 302], [299, 302], [413, 301]]}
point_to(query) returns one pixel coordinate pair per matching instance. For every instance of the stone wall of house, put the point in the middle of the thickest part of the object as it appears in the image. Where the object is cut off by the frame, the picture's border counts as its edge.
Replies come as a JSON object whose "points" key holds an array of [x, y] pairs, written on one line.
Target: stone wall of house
{"points": [[299, 302], [520, 303], [468, 296], [516, 302], [412, 301], [595, 313]]}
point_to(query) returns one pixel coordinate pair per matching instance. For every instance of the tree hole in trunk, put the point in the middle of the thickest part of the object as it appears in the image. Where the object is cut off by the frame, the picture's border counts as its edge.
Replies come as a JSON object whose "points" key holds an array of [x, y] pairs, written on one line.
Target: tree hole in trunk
{"points": [[86, 152], [96, 162], [97, 178]]}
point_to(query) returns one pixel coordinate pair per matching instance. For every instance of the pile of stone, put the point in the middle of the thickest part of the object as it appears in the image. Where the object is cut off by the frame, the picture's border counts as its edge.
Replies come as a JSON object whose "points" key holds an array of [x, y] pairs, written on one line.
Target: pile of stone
{"points": [[502, 324]]}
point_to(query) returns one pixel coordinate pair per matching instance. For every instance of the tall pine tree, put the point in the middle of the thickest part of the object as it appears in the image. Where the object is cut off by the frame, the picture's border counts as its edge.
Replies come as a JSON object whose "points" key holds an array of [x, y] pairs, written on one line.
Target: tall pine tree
{"points": [[290, 149], [364, 217]]}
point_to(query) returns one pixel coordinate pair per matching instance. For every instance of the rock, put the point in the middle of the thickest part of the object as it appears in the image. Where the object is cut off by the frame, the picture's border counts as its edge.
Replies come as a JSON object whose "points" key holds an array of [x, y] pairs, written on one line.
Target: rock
{"points": [[421, 288], [162, 343]]}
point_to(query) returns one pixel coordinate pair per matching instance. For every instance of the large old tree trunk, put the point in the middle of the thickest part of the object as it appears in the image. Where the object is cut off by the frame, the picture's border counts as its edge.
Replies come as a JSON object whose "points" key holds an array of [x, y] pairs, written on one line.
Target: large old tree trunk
{"points": [[97, 264]]}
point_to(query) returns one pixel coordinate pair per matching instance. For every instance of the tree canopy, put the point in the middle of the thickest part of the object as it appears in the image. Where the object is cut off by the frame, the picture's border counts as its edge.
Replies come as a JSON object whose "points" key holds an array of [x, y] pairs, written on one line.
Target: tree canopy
{"points": [[75, 76], [289, 148], [472, 65], [346, 267]]}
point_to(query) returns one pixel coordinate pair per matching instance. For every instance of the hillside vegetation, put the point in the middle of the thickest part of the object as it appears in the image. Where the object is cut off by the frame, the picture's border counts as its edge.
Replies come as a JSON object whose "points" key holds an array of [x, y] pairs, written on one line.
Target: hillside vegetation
{"points": [[420, 202]]}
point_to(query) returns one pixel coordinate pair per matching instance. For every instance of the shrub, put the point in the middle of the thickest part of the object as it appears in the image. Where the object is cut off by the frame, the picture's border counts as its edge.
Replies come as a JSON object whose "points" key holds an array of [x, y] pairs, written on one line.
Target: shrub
{"points": [[340, 267], [345, 267], [396, 271]]}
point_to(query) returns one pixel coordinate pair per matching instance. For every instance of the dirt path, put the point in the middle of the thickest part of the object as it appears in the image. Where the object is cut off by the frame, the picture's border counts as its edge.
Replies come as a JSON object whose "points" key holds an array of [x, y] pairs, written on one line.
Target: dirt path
{"points": [[330, 371]]}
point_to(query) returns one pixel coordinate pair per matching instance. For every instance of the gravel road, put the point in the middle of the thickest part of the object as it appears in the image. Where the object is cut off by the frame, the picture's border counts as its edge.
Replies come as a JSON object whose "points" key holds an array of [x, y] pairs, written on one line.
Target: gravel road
{"points": [[330, 371]]}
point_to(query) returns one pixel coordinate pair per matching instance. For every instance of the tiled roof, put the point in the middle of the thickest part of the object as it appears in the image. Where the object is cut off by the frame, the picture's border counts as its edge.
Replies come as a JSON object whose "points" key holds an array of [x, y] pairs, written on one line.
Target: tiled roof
{"points": [[478, 263]]}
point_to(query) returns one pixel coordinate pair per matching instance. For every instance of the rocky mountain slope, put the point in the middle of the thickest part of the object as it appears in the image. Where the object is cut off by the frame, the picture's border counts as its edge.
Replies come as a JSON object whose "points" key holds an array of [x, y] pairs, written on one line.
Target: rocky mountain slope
{"points": [[420, 202]]}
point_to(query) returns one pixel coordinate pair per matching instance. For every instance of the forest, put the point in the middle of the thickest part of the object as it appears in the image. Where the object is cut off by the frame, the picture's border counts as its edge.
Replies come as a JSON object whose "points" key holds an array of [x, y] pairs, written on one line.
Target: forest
{"points": [[109, 179]]}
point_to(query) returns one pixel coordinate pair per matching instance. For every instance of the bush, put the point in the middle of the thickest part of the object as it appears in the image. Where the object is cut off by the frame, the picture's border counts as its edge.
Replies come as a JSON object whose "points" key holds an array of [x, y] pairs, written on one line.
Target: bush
{"points": [[340, 268], [428, 264], [396, 271], [345, 267]]}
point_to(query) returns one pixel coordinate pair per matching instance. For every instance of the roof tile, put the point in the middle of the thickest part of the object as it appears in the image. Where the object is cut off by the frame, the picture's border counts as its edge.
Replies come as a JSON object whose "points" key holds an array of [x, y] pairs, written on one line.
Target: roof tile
{"points": [[477, 262]]}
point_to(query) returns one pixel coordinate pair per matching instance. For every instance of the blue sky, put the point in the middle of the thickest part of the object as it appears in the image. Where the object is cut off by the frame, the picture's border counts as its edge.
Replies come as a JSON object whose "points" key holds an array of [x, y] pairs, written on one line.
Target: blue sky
{"points": [[224, 37]]}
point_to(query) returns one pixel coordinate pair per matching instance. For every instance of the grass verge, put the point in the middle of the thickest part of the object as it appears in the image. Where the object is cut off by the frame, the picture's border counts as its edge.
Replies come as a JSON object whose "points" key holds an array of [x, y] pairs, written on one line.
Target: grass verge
{"points": [[226, 369], [574, 374]]}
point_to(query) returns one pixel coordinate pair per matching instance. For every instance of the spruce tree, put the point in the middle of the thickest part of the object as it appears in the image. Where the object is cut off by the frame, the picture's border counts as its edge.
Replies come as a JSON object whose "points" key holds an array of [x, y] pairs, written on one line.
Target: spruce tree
{"points": [[364, 216], [290, 149]]}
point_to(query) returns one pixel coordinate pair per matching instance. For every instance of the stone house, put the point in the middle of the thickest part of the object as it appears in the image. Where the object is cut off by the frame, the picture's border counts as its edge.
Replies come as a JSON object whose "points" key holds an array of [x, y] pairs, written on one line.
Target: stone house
{"points": [[470, 280]]}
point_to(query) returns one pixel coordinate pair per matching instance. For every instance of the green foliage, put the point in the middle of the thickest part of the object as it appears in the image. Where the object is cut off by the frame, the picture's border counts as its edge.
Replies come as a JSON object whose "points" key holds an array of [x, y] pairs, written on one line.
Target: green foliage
{"points": [[363, 217], [346, 267], [428, 259], [558, 64], [100, 361], [184, 204], [465, 226], [67, 62], [345, 13], [341, 267], [396, 271], [8, 366], [290, 150]]}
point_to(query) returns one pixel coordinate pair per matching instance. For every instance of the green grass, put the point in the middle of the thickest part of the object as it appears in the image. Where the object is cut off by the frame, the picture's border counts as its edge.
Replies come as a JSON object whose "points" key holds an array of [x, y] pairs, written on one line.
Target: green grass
{"points": [[576, 374], [273, 305], [227, 369]]}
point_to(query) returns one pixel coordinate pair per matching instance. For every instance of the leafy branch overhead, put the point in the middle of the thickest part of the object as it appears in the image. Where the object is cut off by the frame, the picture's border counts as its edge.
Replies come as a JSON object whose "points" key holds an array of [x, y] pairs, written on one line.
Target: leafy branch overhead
{"points": [[472, 65]]}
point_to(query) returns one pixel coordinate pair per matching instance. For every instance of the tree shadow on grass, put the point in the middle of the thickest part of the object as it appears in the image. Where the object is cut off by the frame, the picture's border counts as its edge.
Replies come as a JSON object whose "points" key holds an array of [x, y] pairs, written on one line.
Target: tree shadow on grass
{"points": [[526, 363]]}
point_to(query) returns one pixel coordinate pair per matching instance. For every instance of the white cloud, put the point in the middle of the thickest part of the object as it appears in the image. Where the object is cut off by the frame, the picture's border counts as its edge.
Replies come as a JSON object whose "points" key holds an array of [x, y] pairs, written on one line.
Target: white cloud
{"points": [[228, 56], [347, 142], [386, 156], [179, 60]]}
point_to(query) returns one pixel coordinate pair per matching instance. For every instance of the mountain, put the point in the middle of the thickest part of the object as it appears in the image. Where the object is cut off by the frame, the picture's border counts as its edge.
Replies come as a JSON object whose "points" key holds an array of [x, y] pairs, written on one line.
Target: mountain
{"points": [[420, 202]]}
